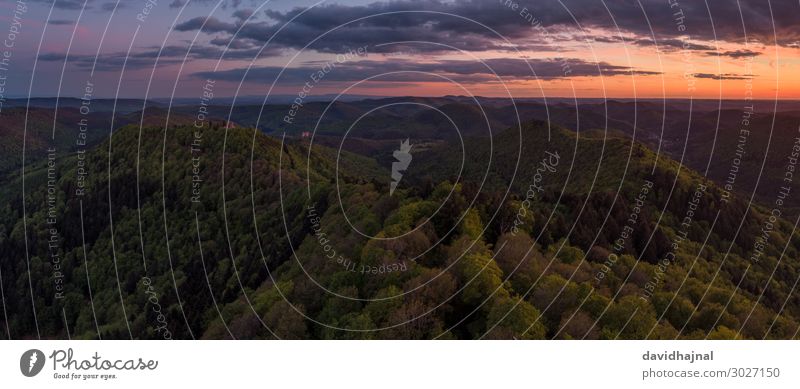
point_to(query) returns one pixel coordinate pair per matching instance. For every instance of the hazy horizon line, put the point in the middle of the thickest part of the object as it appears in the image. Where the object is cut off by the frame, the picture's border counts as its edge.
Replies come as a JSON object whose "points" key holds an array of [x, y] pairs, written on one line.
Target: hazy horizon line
{"points": [[367, 97]]}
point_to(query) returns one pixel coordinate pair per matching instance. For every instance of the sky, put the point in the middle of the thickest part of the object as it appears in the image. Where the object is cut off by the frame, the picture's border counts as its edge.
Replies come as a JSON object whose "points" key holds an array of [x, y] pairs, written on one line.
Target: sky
{"points": [[525, 48]]}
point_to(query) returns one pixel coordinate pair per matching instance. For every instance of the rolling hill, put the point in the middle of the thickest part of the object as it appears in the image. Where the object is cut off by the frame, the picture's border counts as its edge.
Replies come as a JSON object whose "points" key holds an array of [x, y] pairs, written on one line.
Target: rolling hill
{"points": [[234, 233]]}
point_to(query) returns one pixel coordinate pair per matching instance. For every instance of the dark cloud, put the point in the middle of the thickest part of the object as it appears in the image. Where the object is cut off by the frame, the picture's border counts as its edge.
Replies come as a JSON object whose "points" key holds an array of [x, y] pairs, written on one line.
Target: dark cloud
{"points": [[607, 39], [297, 35], [768, 22], [51, 57], [236, 44], [78, 4], [672, 44], [208, 25], [65, 4], [414, 71], [109, 62], [723, 76], [169, 55], [111, 6], [736, 53], [468, 23], [243, 14], [708, 50], [59, 22], [225, 3]]}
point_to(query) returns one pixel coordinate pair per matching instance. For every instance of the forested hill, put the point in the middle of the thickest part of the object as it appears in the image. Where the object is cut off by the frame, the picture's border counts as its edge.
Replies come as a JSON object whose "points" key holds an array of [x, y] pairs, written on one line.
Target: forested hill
{"points": [[231, 233]]}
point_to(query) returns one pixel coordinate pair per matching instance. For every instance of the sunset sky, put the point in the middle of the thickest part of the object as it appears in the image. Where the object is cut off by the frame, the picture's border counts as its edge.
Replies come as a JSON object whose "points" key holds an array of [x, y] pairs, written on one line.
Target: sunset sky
{"points": [[523, 48]]}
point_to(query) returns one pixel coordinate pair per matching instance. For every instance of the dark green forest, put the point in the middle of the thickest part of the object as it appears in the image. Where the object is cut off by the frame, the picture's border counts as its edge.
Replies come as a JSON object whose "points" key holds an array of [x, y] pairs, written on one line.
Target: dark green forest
{"points": [[226, 233]]}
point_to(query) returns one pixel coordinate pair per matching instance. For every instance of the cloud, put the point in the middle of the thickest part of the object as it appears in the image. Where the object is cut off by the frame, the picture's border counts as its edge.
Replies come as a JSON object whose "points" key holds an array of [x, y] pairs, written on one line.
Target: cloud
{"points": [[735, 53], [237, 44], [672, 44], [723, 76], [243, 14], [536, 25], [60, 22], [207, 24], [169, 55], [405, 70], [72, 5], [65, 4], [112, 6], [112, 62], [767, 22], [225, 4]]}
